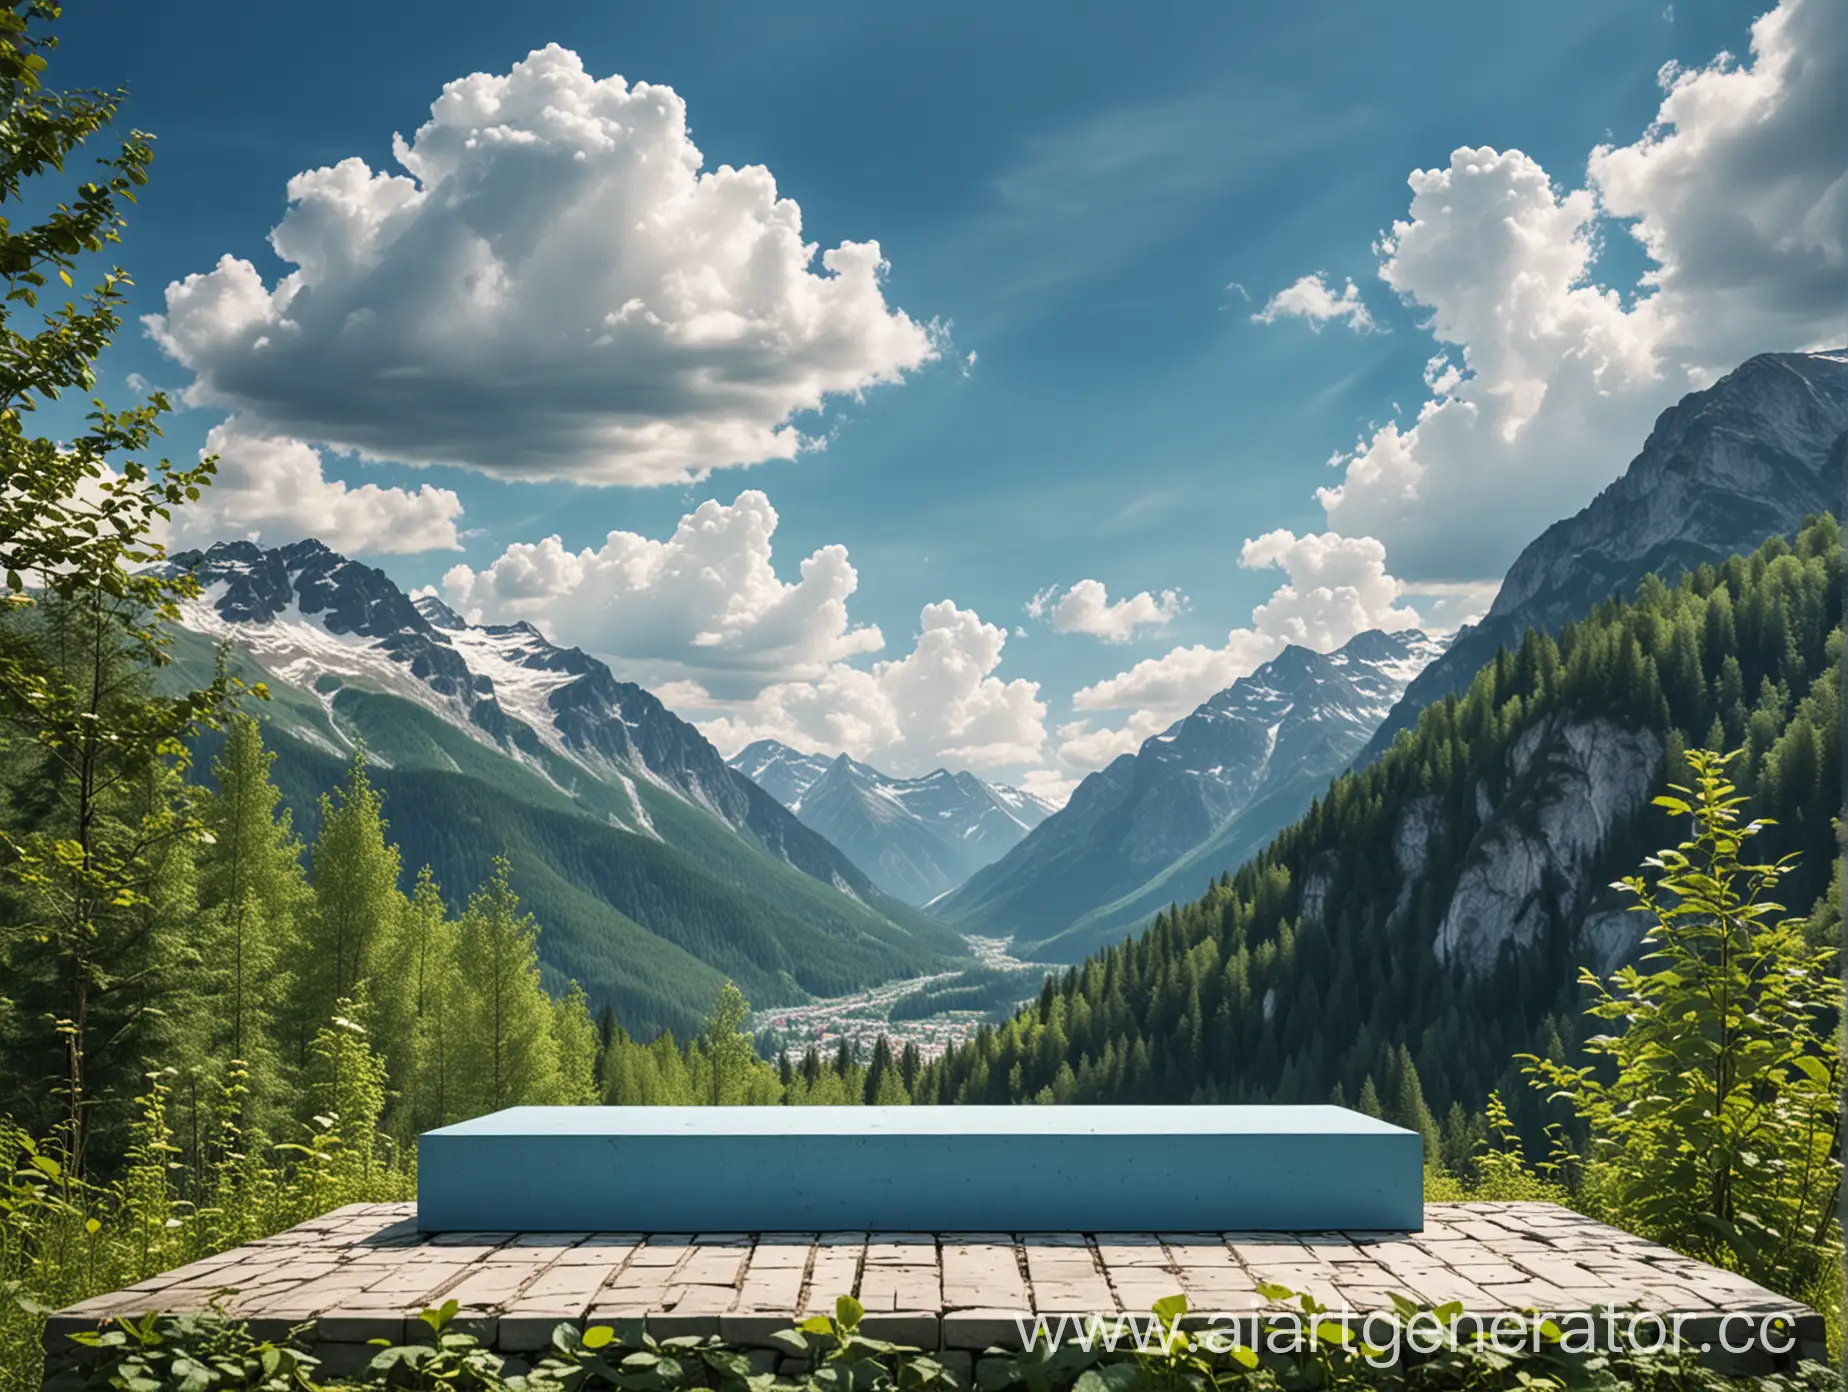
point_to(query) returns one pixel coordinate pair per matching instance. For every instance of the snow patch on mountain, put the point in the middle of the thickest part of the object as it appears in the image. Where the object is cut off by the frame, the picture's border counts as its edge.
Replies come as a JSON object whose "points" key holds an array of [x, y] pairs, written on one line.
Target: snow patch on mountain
{"points": [[300, 649], [503, 657], [316, 620], [1196, 799], [915, 837]]}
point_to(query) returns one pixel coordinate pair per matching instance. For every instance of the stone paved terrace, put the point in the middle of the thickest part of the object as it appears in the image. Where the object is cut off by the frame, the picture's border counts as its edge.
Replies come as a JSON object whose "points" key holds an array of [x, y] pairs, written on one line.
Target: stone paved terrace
{"points": [[361, 1272]]}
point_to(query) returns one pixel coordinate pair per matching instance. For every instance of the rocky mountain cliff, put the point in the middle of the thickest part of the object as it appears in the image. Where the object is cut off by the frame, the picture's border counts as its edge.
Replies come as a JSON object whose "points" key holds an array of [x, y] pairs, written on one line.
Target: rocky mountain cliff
{"points": [[1195, 800], [1541, 827], [915, 837], [1723, 469], [1434, 909]]}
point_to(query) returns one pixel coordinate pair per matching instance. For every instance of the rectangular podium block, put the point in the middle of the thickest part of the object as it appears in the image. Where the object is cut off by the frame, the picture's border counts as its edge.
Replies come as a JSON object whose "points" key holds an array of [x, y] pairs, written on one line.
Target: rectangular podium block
{"points": [[936, 1169]]}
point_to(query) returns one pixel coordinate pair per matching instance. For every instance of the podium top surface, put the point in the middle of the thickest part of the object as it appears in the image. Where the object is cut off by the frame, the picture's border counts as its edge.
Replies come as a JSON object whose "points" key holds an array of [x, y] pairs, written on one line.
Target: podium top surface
{"points": [[536, 1122]]}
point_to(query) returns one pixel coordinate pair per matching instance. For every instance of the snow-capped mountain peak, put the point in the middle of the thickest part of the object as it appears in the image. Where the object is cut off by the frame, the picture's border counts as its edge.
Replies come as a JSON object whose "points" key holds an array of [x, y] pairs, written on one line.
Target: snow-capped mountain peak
{"points": [[917, 837], [436, 613], [1196, 799], [323, 622], [780, 771]]}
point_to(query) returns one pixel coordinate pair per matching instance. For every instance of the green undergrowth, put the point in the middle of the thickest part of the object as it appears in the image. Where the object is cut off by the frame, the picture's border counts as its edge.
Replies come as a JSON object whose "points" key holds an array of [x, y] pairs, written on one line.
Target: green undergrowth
{"points": [[209, 1353], [65, 1238]]}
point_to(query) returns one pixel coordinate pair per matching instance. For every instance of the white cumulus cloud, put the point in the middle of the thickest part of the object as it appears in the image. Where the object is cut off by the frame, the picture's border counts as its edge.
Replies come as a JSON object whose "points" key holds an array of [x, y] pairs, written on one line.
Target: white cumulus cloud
{"points": [[705, 606], [1334, 588], [1313, 300], [1735, 191], [274, 490], [1084, 749], [1337, 587], [1738, 193], [706, 622], [939, 704], [554, 287], [1087, 608]]}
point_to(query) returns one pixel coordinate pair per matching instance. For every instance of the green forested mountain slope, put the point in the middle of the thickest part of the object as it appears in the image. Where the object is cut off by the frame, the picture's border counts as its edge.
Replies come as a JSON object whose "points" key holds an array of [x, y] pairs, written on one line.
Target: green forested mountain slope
{"points": [[1440, 901], [1747, 458], [651, 926]]}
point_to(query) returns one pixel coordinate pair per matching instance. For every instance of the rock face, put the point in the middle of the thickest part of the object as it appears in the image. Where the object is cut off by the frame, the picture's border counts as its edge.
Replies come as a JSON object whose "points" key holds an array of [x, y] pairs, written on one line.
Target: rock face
{"points": [[1724, 469], [1195, 800], [1532, 866], [914, 837], [307, 586], [319, 621]]}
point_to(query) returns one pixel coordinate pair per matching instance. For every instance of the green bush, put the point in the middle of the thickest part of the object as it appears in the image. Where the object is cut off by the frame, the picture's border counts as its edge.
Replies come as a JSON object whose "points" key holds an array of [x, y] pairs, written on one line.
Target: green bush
{"points": [[65, 1237], [202, 1353], [1713, 1102]]}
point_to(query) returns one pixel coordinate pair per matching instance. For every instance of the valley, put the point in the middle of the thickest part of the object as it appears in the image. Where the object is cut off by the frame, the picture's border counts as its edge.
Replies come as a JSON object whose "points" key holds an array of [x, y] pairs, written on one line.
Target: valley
{"points": [[656, 871], [832, 891], [918, 838], [862, 1017]]}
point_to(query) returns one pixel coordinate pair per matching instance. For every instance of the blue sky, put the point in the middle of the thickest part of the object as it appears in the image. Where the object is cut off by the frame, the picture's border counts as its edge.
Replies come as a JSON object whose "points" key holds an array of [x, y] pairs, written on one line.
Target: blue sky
{"points": [[1093, 202]]}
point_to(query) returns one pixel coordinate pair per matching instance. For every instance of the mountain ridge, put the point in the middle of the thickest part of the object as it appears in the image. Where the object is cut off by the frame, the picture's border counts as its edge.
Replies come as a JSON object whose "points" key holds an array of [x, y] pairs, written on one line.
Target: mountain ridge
{"points": [[559, 739], [1747, 458], [1213, 785], [916, 837]]}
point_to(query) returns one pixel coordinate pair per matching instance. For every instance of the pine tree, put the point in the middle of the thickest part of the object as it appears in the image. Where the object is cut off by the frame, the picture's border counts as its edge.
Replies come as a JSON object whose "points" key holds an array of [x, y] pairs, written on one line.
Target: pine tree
{"points": [[422, 997], [162, 987], [507, 1053], [1409, 1109], [357, 905], [1368, 1104], [576, 1037], [606, 1040], [252, 892], [1458, 1141], [884, 1085]]}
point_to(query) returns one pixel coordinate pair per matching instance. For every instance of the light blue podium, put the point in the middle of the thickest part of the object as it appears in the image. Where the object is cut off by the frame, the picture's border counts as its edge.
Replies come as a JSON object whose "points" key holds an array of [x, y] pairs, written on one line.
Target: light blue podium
{"points": [[920, 1169]]}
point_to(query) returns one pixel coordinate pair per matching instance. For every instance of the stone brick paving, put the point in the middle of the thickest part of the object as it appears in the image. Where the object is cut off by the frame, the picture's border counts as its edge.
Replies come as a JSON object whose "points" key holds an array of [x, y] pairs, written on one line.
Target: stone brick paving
{"points": [[362, 1272]]}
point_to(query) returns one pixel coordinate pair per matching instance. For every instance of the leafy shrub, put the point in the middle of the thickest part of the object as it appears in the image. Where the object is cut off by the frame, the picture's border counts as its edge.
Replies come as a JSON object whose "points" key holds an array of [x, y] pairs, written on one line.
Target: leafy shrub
{"points": [[64, 1237], [1713, 1103], [202, 1353]]}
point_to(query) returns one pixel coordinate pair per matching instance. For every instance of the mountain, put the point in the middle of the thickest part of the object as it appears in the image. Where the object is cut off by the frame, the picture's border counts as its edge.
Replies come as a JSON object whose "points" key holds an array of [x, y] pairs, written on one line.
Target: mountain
{"points": [[1198, 799], [780, 771], [1427, 919], [1750, 457], [915, 837], [654, 868]]}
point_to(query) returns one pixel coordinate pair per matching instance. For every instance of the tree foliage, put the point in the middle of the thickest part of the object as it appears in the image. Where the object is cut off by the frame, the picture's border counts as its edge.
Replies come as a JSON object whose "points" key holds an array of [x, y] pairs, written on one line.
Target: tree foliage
{"points": [[81, 618], [1712, 1106]]}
